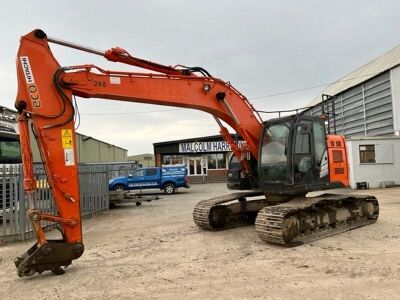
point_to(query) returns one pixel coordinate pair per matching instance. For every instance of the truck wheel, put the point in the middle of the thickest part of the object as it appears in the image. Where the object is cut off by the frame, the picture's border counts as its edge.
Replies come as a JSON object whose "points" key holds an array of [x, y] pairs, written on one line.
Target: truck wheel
{"points": [[169, 188], [119, 188]]}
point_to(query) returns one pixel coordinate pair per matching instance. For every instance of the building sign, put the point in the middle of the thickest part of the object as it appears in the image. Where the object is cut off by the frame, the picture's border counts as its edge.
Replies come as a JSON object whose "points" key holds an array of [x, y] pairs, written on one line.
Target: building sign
{"points": [[199, 147], [8, 127], [8, 122]]}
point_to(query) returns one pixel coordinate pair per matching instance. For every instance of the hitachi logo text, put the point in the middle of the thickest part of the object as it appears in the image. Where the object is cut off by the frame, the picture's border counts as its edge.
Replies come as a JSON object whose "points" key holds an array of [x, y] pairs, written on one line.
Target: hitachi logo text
{"points": [[27, 69]]}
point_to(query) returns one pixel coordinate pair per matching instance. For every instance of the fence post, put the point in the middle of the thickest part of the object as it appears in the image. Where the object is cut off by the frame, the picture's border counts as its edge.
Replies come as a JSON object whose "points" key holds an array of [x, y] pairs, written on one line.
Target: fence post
{"points": [[107, 199], [3, 200], [22, 205]]}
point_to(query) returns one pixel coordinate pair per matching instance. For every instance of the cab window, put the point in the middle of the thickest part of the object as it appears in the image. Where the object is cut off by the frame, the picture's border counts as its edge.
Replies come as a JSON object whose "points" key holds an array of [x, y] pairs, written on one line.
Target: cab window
{"points": [[274, 162], [151, 172], [138, 173]]}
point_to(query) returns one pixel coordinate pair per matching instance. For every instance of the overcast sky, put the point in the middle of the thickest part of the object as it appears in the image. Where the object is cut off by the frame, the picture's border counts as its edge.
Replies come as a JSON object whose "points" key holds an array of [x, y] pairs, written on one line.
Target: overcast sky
{"points": [[262, 47]]}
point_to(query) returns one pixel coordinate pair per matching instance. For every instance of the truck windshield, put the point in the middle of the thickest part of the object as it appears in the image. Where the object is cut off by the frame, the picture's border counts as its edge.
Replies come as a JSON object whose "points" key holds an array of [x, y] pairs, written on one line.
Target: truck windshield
{"points": [[274, 162], [10, 152]]}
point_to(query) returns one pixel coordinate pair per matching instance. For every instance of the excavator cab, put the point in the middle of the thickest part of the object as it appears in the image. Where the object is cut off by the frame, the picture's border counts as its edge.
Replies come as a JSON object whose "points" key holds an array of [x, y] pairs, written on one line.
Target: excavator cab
{"points": [[293, 157]]}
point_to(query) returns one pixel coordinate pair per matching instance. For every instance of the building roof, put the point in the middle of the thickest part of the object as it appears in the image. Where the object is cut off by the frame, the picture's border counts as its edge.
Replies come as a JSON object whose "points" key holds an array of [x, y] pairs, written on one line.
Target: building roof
{"points": [[385, 62], [87, 137]]}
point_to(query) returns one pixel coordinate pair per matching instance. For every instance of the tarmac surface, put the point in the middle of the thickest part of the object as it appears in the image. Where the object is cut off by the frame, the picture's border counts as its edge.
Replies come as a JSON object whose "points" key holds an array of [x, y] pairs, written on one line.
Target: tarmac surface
{"points": [[155, 251]]}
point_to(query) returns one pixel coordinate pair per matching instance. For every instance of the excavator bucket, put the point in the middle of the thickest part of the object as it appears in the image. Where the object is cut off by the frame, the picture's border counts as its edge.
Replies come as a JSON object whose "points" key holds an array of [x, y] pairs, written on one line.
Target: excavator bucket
{"points": [[51, 256]]}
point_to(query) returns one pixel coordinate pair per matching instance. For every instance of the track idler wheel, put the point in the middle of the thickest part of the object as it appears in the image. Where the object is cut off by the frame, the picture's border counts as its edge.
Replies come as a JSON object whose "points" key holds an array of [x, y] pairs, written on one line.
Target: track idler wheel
{"points": [[290, 228], [367, 209]]}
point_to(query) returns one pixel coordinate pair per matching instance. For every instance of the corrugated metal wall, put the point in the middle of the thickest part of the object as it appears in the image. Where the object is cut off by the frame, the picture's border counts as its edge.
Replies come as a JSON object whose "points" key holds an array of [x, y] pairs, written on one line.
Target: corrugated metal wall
{"points": [[395, 86], [365, 109]]}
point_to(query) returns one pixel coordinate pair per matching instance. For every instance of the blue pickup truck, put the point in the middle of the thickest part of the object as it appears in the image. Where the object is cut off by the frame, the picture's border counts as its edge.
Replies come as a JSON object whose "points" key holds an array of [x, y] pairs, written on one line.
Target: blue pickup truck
{"points": [[165, 178]]}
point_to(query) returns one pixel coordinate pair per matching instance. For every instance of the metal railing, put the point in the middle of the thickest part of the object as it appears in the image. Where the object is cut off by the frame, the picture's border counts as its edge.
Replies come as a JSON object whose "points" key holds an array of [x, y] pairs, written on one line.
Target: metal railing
{"points": [[14, 224], [114, 169]]}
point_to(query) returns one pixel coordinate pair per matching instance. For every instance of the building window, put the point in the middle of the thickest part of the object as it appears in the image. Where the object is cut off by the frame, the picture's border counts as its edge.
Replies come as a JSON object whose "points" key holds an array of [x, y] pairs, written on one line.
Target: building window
{"points": [[211, 162], [166, 159], [221, 161], [367, 154], [172, 159], [216, 161]]}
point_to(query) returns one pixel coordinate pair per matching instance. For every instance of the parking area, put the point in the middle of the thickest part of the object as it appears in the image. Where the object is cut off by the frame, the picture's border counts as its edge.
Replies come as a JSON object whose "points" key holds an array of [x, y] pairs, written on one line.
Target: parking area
{"points": [[155, 251]]}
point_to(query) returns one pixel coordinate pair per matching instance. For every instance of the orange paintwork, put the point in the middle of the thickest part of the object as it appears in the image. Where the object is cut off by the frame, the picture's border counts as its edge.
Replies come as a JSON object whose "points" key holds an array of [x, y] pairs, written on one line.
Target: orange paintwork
{"points": [[52, 114], [170, 90], [35, 68], [338, 163]]}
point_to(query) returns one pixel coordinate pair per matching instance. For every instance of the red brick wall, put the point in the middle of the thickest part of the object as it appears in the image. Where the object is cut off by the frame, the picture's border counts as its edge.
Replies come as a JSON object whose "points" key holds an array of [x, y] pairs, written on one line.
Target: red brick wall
{"points": [[220, 172], [158, 160], [212, 176]]}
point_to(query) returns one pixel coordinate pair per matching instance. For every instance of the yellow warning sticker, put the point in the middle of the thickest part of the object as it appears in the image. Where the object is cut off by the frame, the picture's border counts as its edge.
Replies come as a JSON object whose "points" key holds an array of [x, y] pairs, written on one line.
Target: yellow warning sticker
{"points": [[66, 135]]}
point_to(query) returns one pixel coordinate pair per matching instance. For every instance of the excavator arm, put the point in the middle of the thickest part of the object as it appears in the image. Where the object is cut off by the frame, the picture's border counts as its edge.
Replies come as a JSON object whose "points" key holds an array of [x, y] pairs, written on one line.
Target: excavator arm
{"points": [[44, 101]]}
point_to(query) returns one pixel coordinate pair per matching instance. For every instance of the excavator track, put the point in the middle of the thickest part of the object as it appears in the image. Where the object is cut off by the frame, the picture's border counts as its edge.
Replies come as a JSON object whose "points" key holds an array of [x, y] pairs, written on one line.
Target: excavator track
{"points": [[218, 213], [303, 220]]}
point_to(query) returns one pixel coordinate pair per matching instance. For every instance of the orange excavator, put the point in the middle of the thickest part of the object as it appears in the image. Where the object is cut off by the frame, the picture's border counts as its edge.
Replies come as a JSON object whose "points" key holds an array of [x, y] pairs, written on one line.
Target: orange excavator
{"points": [[280, 162]]}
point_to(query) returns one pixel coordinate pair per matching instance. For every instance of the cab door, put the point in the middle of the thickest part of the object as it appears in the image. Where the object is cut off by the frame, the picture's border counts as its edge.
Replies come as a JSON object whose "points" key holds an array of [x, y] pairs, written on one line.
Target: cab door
{"points": [[152, 178], [303, 167], [135, 180], [309, 149]]}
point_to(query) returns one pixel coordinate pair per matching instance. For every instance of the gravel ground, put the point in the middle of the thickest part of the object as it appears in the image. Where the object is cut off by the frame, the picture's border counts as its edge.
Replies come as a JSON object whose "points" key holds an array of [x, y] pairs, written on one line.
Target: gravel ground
{"points": [[155, 251]]}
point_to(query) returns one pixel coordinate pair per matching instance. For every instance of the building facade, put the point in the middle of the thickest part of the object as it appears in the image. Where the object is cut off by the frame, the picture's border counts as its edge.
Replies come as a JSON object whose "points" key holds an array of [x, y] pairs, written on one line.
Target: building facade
{"points": [[144, 160], [89, 150], [206, 158], [365, 102], [374, 162], [364, 106]]}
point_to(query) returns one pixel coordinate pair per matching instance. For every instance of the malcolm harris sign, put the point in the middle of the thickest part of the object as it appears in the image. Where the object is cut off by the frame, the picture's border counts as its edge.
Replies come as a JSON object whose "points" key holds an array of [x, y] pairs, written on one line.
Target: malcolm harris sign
{"points": [[199, 147]]}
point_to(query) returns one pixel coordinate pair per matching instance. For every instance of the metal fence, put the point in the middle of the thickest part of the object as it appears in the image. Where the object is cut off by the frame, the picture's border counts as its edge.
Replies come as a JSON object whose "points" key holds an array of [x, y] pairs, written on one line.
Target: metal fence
{"points": [[14, 224], [114, 169]]}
